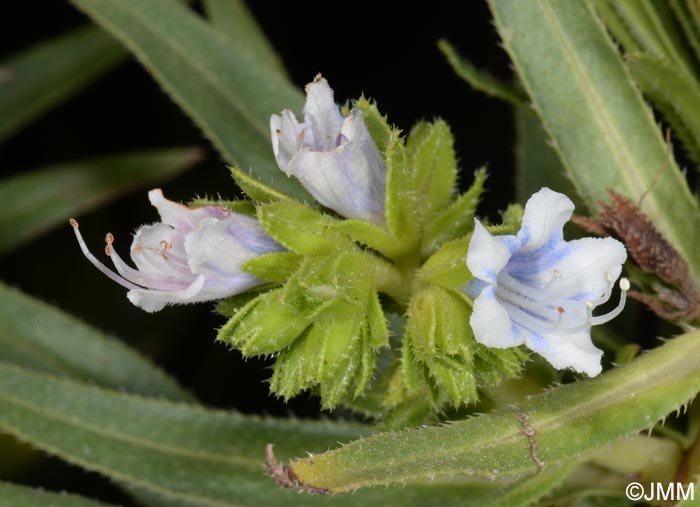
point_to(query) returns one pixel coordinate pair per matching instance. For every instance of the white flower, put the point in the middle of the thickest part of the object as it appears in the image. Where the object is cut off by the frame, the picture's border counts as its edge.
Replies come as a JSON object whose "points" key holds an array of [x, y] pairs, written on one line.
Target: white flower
{"points": [[333, 156], [537, 289], [192, 255]]}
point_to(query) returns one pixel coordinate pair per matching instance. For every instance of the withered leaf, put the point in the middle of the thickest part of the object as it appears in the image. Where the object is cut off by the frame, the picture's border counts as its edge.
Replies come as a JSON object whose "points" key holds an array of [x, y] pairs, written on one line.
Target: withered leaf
{"points": [[652, 253]]}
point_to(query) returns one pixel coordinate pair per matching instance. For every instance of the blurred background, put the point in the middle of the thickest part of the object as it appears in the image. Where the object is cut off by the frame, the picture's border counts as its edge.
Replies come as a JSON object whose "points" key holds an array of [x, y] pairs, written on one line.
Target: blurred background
{"points": [[385, 50]]}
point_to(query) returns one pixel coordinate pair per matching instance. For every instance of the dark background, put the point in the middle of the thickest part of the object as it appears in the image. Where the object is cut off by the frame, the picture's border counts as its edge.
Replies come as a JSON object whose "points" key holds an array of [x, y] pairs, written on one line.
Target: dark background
{"points": [[385, 50]]}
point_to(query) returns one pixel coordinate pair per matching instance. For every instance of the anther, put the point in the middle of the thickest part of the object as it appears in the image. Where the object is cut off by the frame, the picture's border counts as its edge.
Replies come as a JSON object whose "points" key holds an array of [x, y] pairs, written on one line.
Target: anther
{"points": [[74, 223]]}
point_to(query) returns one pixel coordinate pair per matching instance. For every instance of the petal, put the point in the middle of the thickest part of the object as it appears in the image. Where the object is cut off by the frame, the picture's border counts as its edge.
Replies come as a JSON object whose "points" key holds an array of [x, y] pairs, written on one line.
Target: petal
{"points": [[155, 300], [151, 238], [342, 181], [180, 216], [546, 212], [491, 323], [487, 255], [322, 115], [583, 271], [567, 350], [219, 247], [287, 136]]}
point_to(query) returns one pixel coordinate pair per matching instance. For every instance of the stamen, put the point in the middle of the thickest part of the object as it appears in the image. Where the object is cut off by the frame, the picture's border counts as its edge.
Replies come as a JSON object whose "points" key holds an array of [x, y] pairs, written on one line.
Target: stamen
{"points": [[104, 269], [167, 268], [602, 319]]}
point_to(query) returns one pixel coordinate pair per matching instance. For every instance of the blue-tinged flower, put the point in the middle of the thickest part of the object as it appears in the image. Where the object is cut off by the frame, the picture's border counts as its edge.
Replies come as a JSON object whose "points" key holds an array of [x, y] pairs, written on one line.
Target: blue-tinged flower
{"points": [[192, 255], [537, 289], [333, 156]]}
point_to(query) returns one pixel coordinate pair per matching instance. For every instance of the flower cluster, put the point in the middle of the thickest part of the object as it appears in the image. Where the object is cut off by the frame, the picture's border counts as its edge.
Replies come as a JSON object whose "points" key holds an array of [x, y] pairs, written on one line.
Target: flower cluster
{"points": [[532, 288]]}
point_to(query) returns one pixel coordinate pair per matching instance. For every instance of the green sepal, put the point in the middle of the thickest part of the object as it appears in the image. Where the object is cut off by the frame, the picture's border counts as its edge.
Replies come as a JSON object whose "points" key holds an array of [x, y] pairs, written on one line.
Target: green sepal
{"points": [[439, 332], [301, 229], [256, 189], [379, 129], [337, 354], [493, 365], [456, 220], [244, 207], [375, 335], [401, 198], [275, 266], [511, 220], [433, 160], [265, 325], [447, 267], [371, 235], [229, 306]]}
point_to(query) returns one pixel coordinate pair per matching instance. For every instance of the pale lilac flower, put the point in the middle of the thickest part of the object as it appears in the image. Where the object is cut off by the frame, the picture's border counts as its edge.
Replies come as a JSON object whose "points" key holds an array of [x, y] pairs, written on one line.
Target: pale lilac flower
{"points": [[537, 289], [333, 156], [192, 255]]}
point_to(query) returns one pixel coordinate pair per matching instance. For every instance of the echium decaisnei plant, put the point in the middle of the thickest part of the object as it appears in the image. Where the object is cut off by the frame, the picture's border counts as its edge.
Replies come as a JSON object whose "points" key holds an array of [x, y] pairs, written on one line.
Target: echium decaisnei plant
{"points": [[384, 294]]}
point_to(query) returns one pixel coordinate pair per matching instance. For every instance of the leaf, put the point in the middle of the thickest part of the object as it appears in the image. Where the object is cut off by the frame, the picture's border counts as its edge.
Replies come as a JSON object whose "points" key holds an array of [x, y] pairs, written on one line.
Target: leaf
{"points": [[13, 495], [41, 337], [182, 452], [653, 27], [229, 94], [690, 26], [573, 72], [537, 164], [545, 430], [234, 20], [39, 78], [481, 80], [42, 199], [676, 96]]}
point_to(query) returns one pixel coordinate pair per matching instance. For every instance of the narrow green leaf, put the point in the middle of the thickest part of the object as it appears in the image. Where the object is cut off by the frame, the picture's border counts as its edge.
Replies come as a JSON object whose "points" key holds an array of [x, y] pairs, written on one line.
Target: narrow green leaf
{"points": [[652, 25], [183, 453], [40, 200], [229, 94], [41, 337], [481, 80], [572, 71], [545, 430], [616, 24], [691, 29], [13, 495], [537, 164], [233, 19], [526, 492], [677, 97], [40, 78]]}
